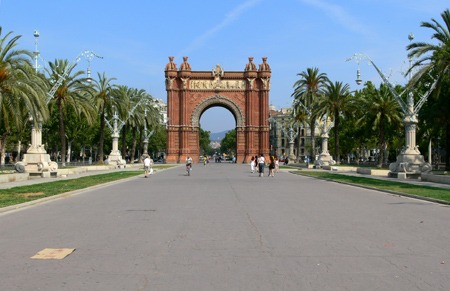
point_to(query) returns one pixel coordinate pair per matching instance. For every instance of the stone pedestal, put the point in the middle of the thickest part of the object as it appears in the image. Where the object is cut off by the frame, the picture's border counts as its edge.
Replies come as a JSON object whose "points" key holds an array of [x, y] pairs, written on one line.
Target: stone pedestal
{"points": [[292, 157], [115, 158], [409, 166], [325, 159], [36, 161], [410, 163]]}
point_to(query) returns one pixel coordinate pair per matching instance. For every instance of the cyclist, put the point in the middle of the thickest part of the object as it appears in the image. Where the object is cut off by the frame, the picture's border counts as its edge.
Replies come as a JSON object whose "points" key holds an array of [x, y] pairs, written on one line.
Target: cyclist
{"points": [[188, 165]]}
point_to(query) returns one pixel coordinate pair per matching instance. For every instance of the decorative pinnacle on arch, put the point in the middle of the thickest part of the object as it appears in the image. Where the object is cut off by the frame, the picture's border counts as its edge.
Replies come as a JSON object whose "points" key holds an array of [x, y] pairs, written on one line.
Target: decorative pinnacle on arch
{"points": [[264, 66], [171, 66], [185, 66], [250, 66]]}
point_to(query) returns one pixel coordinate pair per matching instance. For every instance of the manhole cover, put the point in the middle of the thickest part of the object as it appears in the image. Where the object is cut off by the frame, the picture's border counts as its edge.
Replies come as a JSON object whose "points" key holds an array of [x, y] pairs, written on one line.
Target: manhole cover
{"points": [[55, 254]]}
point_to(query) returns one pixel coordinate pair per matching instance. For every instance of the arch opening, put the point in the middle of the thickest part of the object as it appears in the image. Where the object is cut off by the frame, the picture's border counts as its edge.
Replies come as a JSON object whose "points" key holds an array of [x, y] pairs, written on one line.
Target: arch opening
{"points": [[217, 101], [220, 122]]}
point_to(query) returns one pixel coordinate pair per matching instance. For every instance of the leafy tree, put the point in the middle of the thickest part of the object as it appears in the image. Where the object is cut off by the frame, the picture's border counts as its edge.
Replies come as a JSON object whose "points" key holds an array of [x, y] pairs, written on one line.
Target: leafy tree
{"points": [[228, 143], [381, 111], [158, 141], [79, 132], [434, 60], [352, 138], [204, 141]]}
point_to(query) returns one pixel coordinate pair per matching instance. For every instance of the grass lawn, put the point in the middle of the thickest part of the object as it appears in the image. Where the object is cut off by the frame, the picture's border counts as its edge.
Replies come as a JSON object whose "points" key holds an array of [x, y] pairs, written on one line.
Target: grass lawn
{"points": [[397, 187], [23, 194]]}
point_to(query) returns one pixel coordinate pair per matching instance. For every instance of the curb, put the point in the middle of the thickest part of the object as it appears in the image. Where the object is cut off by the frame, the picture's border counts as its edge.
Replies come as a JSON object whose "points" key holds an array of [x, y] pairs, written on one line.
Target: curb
{"points": [[6, 209], [447, 203], [62, 195]]}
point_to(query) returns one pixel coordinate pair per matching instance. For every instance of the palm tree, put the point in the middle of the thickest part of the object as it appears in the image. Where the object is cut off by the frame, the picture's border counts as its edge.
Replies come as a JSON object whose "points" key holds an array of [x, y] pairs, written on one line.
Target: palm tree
{"points": [[306, 92], [72, 94], [434, 59], [104, 99], [152, 114], [22, 91], [138, 109], [78, 128], [382, 111], [335, 101], [133, 114]]}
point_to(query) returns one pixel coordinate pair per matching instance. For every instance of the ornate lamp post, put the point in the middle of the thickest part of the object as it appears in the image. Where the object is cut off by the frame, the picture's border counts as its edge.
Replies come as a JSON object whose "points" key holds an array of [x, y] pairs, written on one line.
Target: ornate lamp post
{"points": [[291, 132], [36, 50], [147, 135], [410, 163], [325, 158], [117, 124], [115, 155]]}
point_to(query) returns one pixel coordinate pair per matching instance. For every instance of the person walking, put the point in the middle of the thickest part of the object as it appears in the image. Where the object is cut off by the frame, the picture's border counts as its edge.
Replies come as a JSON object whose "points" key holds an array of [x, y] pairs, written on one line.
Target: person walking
{"points": [[147, 164], [188, 165], [252, 165], [272, 166], [150, 171], [277, 164], [261, 164]]}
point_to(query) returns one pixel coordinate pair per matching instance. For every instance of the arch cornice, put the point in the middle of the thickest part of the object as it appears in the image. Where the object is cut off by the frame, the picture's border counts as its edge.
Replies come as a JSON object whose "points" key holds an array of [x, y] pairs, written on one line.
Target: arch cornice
{"points": [[218, 100]]}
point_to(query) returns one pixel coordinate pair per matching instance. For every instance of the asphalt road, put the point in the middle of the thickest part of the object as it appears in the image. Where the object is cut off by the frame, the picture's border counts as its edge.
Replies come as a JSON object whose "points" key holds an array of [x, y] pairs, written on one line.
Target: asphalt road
{"points": [[224, 228]]}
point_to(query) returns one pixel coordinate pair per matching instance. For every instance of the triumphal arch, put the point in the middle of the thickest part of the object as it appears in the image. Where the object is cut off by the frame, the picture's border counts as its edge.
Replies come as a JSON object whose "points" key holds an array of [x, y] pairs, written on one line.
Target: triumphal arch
{"points": [[190, 93]]}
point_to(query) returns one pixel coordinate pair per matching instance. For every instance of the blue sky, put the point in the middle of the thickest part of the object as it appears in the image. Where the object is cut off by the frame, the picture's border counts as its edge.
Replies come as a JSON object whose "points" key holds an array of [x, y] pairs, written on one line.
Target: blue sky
{"points": [[135, 38]]}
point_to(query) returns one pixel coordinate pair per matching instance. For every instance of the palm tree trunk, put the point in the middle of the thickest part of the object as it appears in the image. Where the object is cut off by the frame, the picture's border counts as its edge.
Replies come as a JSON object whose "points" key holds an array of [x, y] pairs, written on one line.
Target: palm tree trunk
{"points": [[69, 151], [336, 138], [141, 145], [124, 141], [133, 146], [3, 147], [62, 133], [313, 138], [381, 144], [447, 145], [101, 138], [3, 142]]}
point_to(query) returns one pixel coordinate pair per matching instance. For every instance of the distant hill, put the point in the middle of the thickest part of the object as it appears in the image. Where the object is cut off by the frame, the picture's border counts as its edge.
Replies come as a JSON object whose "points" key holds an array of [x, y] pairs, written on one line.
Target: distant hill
{"points": [[217, 136]]}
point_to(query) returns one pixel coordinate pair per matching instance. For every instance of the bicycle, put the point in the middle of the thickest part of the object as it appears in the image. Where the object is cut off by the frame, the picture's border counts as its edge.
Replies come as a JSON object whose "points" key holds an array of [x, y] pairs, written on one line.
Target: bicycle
{"points": [[188, 169]]}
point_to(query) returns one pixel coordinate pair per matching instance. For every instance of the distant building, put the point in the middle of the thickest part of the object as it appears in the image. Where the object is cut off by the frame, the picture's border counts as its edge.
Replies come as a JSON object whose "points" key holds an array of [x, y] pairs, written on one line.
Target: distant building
{"points": [[278, 135], [215, 144], [162, 106]]}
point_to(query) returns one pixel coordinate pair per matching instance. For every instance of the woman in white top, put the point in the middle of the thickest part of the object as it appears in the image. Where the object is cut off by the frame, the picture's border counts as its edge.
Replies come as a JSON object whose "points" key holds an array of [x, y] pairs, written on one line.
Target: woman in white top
{"points": [[147, 165], [261, 163]]}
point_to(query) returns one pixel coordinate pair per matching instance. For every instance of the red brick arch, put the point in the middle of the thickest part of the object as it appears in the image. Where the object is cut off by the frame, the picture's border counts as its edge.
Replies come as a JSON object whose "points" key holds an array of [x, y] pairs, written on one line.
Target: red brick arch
{"points": [[190, 93]]}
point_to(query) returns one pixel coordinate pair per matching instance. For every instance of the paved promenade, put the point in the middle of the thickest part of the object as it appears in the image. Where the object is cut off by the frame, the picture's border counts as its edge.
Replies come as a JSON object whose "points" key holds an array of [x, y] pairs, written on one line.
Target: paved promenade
{"points": [[224, 228]]}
